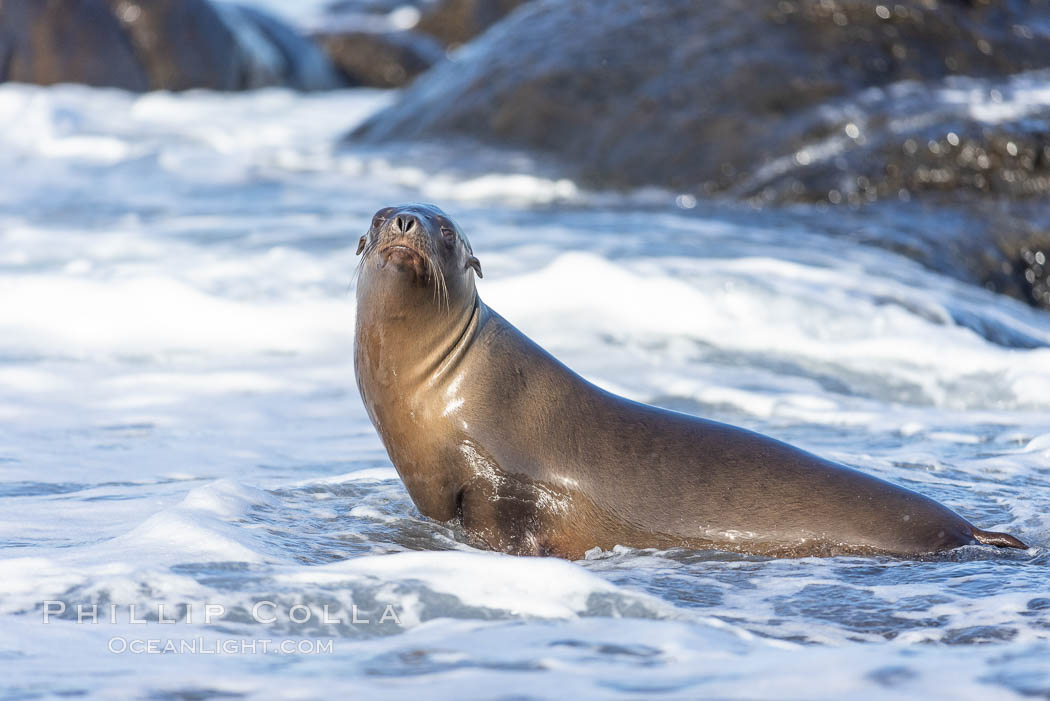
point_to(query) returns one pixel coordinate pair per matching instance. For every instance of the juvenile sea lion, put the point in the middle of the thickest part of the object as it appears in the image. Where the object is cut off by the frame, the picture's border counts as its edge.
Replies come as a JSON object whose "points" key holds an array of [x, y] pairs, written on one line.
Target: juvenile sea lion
{"points": [[486, 427]]}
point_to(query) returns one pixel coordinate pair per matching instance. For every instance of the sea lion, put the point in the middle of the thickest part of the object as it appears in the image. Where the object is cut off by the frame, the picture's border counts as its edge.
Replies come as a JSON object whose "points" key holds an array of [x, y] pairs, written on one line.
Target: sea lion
{"points": [[487, 428]]}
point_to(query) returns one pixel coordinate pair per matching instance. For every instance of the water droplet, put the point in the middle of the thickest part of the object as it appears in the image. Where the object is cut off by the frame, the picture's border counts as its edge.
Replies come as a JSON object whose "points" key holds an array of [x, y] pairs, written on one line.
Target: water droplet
{"points": [[130, 12], [404, 17]]}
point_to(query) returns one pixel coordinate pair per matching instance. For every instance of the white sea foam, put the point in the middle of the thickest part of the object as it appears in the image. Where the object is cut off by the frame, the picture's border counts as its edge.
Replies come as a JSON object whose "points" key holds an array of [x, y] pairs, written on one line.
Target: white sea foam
{"points": [[543, 587], [759, 306], [1021, 95], [180, 423]]}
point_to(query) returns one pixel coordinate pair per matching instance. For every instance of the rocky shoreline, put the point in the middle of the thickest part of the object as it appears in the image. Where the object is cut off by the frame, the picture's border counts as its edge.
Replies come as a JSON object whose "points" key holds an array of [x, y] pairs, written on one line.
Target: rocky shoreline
{"points": [[176, 45], [838, 103], [156, 45], [841, 102]]}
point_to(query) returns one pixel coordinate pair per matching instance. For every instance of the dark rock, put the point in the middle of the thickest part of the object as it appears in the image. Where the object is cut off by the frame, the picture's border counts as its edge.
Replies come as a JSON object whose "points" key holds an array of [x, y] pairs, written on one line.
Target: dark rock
{"points": [[387, 60], [182, 44], [1020, 265], [910, 140], [1002, 245], [155, 45], [693, 95], [836, 101], [455, 22], [66, 41]]}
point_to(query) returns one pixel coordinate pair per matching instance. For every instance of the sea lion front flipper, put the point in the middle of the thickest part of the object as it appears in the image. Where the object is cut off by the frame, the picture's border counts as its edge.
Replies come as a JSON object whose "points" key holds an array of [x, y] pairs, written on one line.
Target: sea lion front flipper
{"points": [[999, 540]]}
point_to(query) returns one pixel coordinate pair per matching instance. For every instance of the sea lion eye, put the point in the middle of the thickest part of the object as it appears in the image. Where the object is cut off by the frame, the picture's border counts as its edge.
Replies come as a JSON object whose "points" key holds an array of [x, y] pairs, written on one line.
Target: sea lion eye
{"points": [[377, 220], [448, 233]]}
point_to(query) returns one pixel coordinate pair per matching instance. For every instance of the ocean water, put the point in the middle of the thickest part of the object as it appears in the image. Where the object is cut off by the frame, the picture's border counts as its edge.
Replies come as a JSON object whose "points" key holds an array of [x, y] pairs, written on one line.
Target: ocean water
{"points": [[180, 428]]}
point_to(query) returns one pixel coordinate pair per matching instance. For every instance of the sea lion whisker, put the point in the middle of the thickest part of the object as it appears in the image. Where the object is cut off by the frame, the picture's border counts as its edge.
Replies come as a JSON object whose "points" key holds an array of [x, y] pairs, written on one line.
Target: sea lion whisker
{"points": [[428, 272], [444, 288], [370, 246], [437, 276]]}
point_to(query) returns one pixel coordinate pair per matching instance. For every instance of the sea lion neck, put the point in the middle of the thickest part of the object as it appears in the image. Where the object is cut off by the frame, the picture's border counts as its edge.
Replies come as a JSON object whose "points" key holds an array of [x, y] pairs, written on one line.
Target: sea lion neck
{"points": [[408, 337]]}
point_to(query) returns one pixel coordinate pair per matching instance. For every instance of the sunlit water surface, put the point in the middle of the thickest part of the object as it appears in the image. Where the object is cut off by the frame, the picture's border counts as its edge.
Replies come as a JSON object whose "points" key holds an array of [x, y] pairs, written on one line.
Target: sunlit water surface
{"points": [[179, 425]]}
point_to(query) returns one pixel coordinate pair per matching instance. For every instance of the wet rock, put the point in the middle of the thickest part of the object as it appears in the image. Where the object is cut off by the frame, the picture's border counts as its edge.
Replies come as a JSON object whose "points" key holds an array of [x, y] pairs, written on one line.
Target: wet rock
{"points": [[382, 60], [693, 96], [979, 136], [155, 45], [455, 22], [181, 44], [1020, 264], [844, 102], [1002, 245], [995, 175], [66, 41]]}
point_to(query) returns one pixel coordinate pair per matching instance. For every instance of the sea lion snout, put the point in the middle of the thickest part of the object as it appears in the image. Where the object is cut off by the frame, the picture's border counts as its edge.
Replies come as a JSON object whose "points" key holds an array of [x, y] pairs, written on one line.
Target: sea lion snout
{"points": [[403, 229], [403, 243], [404, 257], [405, 223], [435, 246]]}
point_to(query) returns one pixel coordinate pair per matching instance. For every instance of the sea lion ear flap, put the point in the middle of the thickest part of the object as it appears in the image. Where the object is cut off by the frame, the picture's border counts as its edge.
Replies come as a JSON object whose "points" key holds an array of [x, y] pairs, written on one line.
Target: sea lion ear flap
{"points": [[473, 262], [361, 244]]}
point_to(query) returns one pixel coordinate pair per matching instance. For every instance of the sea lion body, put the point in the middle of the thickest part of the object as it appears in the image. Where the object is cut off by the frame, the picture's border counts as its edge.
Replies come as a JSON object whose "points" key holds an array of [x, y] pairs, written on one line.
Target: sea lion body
{"points": [[486, 427]]}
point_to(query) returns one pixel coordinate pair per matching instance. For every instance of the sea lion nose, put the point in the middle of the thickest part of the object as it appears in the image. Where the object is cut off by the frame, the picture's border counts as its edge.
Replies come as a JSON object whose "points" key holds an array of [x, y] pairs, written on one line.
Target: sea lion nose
{"points": [[404, 223]]}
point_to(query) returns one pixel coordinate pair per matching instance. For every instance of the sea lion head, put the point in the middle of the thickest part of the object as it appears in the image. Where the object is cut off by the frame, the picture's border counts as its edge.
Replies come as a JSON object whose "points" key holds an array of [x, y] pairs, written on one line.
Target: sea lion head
{"points": [[414, 254]]}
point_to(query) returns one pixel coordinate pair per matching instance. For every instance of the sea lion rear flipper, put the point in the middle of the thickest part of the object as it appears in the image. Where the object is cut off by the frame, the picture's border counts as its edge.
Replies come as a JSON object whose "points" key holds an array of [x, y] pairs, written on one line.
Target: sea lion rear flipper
{"points": [[1000, 540]]}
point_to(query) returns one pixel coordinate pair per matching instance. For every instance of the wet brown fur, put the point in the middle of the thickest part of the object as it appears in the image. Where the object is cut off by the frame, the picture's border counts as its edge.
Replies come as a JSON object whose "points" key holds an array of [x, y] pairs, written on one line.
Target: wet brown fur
{"points": [[487, 428]]}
